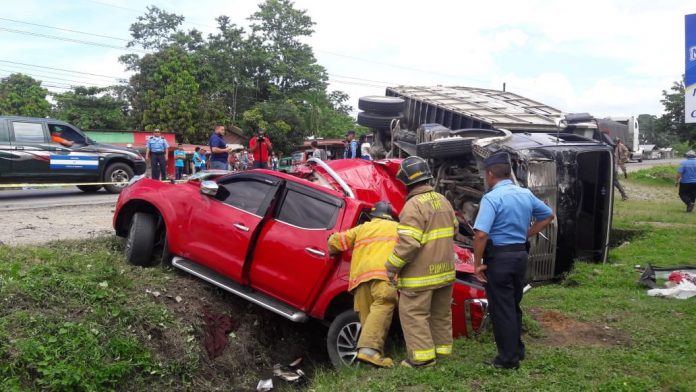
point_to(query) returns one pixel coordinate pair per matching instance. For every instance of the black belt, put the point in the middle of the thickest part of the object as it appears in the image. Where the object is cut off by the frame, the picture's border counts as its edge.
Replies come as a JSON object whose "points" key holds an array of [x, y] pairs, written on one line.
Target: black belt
{"points": [[157, 152], [510, 248]]}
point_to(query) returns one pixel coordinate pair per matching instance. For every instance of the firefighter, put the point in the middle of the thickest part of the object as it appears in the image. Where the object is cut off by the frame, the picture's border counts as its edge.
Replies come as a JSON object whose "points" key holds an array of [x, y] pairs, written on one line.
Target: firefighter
{"points": [[374, 299], [422, 266]]}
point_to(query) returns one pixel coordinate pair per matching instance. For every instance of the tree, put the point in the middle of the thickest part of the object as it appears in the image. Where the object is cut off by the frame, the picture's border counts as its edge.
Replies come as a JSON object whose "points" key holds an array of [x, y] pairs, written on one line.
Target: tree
{"points": [[21, 95], [672, 121], [91, 108]]}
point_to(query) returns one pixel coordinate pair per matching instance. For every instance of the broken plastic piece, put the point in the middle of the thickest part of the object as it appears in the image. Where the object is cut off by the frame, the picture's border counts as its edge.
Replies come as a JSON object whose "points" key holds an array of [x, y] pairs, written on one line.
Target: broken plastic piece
{"points": [[264, 385]]}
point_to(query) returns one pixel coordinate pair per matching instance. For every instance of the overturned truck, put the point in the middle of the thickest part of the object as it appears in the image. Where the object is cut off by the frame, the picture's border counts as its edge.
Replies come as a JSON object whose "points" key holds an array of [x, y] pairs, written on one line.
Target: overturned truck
{"points": [[455, 128]]}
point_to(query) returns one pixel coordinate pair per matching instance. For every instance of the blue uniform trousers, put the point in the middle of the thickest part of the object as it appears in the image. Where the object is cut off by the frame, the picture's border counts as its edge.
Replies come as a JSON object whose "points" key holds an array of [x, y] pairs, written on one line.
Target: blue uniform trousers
{"points": [[506, 278], [158, 165]]}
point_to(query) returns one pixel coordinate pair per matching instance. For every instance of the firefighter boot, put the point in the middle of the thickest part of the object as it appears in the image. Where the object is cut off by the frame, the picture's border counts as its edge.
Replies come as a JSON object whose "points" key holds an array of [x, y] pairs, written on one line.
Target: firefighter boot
{"points": [[373, 357]]}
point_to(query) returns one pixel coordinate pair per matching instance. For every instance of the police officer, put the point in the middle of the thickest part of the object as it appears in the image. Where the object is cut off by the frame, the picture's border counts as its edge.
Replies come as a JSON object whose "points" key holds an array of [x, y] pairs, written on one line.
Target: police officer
{"points": [[504, 218], [374, 299], [424, 261], [157, 147]]}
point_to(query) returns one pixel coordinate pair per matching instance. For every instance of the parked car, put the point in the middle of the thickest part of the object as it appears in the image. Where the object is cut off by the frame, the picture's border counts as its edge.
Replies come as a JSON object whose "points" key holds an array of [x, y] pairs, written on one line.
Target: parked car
{"points": [[28, 154], [262, 235]]}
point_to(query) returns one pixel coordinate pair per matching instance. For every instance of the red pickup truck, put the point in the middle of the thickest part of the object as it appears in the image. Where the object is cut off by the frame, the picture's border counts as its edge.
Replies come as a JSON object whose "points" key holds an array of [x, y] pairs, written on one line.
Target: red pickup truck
{"points": [[262, 235]]}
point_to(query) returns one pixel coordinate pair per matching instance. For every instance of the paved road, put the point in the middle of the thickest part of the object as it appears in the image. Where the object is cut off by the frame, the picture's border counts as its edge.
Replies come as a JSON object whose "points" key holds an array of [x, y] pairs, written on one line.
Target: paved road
{"points": [[52, 197], [635, 166]]}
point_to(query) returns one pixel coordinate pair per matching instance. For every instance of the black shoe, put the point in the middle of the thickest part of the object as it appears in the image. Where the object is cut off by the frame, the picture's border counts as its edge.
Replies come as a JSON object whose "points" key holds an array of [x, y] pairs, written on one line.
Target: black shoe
{"points": [[497, 365], [690, 207]]}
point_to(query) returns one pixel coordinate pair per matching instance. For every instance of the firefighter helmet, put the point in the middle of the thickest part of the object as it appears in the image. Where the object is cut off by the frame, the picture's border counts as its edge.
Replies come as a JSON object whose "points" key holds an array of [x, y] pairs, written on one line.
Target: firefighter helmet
{"points": [[413, 169], [383, 210]]}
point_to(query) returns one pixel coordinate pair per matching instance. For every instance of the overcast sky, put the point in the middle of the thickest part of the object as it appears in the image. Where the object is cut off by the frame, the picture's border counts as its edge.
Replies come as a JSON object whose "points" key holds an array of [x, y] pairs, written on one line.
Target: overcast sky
{"points": [[609, 57]]}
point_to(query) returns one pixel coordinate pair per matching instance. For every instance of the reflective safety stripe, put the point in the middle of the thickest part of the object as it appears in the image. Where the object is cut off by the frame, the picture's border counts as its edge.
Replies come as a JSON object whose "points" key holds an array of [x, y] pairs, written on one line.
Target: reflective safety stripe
{"points": [[444, 349], [366, 241], [445, 232], [365, 276], [344, 242], [396, 261], [424, 355], [410, 231], [428, 280]]}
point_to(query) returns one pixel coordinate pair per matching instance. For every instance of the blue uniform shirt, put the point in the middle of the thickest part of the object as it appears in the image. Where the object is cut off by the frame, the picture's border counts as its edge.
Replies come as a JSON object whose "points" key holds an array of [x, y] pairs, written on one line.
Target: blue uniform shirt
{"points": [[179, 158], [506, 212], [217, 141], [351, 151], [157, 144], [687, 169]]}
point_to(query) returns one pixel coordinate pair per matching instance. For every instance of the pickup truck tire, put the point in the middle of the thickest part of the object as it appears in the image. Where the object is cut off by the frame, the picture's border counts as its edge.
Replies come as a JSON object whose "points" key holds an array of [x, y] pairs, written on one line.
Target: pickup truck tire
{"points": [[377, 121], [117, 172], [89, 188], [141, 240], [381, 105], [444, 148], [342, 339]]}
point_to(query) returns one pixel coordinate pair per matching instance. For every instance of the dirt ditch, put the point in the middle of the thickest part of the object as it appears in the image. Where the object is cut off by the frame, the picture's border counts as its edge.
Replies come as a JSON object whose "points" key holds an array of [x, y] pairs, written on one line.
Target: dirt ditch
{"points": [[562, 331]]}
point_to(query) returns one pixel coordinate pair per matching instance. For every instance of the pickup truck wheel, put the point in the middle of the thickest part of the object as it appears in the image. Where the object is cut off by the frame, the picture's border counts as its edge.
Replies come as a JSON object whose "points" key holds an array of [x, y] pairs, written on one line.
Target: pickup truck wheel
{"points": [[89, 188], [377, 121], [342, 339], [117, 172], [381, 105], [141, 240], [444, 148]]}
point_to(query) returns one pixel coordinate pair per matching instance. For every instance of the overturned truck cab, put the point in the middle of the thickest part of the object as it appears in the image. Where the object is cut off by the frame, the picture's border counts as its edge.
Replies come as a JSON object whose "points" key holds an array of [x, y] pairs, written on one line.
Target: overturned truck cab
{"points": [[455, 128]]}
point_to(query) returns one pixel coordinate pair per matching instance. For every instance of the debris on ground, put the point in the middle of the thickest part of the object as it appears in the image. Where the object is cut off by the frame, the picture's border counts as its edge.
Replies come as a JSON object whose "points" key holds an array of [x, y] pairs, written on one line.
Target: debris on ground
{"points": [[217, 327], [680, 281], [264, 385], [289, 373]]}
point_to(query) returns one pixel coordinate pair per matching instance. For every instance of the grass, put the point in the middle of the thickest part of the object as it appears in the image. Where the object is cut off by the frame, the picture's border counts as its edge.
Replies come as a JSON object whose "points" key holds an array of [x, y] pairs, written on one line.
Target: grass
{"points": [[76, 317], [653, 349]]}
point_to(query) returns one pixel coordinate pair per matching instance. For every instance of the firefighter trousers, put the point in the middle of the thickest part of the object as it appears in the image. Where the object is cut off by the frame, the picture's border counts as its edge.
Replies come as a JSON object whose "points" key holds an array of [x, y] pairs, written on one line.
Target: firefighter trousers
{"points": [[374, 301], [426, 318]]}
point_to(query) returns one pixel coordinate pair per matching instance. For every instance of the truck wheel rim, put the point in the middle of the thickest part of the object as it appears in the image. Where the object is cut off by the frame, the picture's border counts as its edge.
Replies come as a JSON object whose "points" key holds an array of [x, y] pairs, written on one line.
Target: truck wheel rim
{"points": [[120, 176], [347, 342]]}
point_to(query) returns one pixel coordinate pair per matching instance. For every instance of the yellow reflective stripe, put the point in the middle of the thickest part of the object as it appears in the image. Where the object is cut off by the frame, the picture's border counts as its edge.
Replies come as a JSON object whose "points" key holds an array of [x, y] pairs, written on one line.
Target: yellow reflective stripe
{"points": [[411, 231], [396, 261], [428, 280], [444, 349], [424, 355], [437, 233]]}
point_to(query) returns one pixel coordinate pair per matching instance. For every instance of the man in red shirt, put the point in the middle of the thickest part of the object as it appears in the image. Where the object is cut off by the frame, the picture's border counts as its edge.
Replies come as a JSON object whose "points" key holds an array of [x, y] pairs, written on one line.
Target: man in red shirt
{"points": [[260, 147]]}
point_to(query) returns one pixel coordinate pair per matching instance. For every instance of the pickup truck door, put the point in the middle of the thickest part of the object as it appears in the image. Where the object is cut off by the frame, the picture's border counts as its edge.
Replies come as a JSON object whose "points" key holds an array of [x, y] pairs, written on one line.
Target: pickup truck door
{"points": [[291, 260], [6, 150], [221, 228], [29, 141]]}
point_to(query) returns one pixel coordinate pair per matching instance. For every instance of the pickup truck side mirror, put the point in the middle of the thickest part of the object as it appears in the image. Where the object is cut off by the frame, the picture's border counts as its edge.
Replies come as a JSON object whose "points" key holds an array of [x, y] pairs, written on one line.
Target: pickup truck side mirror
{"points": [[209, 188]]}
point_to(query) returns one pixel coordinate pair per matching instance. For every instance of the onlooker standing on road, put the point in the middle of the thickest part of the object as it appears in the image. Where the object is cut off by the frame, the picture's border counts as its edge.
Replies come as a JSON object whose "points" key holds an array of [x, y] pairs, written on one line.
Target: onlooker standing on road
{"points": [[504, 217], [686, 180], [198, 160], [274, 162], [621, 155], [317, 152], [374, 299], [218, 149], [244, 159], [424, 261], [157, 148], [351, 150], [260, 147], [179, 161]]}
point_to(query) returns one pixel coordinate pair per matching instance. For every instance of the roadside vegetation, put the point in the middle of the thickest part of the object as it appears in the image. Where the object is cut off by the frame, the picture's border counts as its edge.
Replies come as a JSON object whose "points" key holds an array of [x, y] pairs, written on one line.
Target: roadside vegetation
{"points": [[76, 317]]}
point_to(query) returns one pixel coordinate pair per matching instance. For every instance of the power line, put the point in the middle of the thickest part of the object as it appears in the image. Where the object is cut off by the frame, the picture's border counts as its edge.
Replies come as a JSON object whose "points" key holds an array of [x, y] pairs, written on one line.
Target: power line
{"points": [[141, 12], [71, 40], [48, 77], [61, 69], [96, 79], [63, 29]]}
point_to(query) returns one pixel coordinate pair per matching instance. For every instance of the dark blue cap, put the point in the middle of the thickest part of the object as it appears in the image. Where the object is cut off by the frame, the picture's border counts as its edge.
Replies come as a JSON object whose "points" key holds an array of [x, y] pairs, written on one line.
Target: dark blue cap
{"points": [[496, 159]]}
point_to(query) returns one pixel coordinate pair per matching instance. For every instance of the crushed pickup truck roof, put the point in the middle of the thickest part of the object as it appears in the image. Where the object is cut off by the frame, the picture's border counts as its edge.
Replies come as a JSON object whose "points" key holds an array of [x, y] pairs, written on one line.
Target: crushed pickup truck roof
{"points": [[488, 108]]}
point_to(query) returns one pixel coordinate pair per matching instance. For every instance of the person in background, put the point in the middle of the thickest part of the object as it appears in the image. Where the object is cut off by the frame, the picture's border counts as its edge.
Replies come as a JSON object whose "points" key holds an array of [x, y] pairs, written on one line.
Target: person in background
{"points": [[198, 160], [686, 180], [374, 299], [179, 161], [502, 227], [351, 150], [218, 149], [621, 154], [316, 151], [365, 151], [274, 162], [157, 148], [244, 159], [260, 147], [56, 138]]}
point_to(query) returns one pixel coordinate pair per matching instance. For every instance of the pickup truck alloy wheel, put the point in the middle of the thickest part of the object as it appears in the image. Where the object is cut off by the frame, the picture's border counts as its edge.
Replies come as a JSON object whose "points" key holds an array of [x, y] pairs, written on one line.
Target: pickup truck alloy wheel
{"points": [[141, 239], [342, 339], [117, 172]]}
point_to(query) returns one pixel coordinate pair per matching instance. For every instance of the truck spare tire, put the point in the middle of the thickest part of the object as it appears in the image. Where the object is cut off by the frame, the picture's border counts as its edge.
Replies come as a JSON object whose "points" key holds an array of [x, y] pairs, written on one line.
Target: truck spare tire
{"points": [[445, 148], [377, 121], [381, 105]]}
